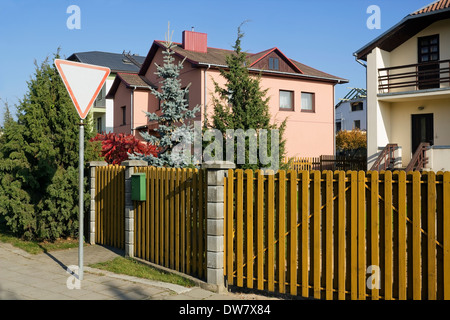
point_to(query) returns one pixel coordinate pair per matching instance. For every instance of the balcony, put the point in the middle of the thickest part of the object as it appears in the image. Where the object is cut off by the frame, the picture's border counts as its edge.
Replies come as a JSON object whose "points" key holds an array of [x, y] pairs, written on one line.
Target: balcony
{"points": [[413, 78]]}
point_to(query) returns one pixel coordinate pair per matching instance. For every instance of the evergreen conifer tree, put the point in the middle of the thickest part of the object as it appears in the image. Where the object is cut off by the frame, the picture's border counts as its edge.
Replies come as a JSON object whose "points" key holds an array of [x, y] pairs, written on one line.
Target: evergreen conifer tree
{"points": [[39, 160], [242, 104], [175, 121]]}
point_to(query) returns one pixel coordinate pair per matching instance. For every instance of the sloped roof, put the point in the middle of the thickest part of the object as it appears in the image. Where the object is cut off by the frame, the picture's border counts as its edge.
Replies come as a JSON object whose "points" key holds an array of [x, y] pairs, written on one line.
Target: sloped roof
{"points": [[409, 26], [117, 62], [433, 7], [131, 80], [217, 58], [353, 94]]}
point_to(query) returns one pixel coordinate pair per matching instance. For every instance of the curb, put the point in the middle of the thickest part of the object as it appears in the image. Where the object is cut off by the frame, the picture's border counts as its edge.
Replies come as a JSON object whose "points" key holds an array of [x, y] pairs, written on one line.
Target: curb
{"points": [[170, 286]]}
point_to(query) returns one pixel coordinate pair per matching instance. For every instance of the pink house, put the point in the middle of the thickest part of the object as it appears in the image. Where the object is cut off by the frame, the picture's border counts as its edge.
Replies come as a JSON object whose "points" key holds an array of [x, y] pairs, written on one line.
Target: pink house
{"points": [[303, 95]]}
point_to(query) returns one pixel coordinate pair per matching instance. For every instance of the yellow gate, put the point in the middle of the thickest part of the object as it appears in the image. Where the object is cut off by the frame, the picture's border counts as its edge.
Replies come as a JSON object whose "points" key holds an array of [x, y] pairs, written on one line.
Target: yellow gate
{"points": [[170, 227], [110, 206]]}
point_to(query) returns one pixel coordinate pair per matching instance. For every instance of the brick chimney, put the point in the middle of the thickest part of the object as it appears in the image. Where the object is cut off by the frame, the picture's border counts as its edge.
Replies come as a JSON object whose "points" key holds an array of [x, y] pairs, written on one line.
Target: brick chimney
{"points": [[195, 41]]}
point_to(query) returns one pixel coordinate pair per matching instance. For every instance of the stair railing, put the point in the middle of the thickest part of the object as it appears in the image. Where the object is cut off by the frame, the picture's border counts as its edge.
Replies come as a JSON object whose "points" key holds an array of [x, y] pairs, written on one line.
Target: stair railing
{"points": [[419, 159], [386, 159]]}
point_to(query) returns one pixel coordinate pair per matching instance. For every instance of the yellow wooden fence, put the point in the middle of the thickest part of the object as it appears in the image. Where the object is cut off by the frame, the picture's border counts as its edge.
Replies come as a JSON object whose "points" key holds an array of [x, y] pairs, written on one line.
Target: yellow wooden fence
{"points": [[300, 163], [110, 206], [315, 234], [170, 227]]}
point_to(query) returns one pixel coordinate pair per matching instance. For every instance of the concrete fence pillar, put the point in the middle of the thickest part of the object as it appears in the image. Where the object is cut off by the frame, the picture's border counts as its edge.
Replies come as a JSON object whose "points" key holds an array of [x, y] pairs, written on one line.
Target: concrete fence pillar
{"points": [[129, 207], [92, 166], [216, 171]]}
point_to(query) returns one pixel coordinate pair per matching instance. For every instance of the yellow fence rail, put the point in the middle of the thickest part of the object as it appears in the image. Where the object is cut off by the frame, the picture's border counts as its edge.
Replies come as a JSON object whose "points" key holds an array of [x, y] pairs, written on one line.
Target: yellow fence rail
{"points": [[110, 206], [170, 227], [339, 235], [300, 163]]}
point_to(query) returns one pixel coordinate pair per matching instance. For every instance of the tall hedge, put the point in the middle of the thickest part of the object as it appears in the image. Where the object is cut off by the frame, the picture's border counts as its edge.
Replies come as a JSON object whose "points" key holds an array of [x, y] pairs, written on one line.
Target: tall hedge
{"points": [[39, 160]]}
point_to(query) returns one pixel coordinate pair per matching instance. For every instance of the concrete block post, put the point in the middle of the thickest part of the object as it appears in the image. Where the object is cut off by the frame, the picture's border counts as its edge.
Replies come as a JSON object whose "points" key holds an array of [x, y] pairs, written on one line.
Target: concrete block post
{"points": [[129, 207], [216, 171], [92, 166]]}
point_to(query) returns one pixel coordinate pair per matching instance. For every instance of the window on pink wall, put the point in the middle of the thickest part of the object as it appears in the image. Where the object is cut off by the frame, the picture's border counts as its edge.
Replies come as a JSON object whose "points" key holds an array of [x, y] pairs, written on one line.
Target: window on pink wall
{"points": [[286, 100], [308, 102], [124, 115]]}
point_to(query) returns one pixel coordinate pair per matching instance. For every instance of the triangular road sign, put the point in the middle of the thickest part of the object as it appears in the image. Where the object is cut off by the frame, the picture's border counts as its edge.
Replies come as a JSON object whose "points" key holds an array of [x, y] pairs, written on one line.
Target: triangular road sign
{"points": [[83, 81]]}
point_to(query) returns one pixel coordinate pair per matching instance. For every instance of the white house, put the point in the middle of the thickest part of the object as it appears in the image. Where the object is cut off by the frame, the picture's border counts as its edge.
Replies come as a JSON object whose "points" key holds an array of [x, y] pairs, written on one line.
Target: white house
{"points": [[408, 92], [350, 112]]}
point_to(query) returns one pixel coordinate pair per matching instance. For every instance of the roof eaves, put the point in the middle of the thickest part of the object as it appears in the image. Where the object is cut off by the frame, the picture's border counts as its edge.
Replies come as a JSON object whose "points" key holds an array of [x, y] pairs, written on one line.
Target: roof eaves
{"points": [[408, 18], [307, 76], [273, 72], [357, 52], [112, 91]]}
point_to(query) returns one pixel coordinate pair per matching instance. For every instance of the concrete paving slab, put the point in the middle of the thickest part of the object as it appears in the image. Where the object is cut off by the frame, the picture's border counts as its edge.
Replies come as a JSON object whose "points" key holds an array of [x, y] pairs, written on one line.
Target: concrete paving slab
{"points": [[44, 277]]}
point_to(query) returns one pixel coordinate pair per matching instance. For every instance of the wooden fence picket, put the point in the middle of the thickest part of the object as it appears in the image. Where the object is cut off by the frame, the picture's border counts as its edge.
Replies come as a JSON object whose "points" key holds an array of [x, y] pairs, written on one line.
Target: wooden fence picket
{"points": [[306, 233]]}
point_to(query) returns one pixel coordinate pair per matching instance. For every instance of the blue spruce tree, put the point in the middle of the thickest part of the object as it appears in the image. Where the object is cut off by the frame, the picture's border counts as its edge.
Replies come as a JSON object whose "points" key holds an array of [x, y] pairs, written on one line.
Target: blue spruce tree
{"points": [[175, 122]]}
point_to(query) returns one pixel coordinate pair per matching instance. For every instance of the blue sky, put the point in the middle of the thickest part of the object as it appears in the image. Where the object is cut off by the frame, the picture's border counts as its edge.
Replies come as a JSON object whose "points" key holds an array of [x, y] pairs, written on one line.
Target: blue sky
{"points": [[322, 34]]}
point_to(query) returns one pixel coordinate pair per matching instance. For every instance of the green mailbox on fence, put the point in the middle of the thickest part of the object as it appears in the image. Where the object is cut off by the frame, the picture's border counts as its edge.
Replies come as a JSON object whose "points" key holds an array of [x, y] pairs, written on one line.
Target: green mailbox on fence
{"points": [[138, 187]]}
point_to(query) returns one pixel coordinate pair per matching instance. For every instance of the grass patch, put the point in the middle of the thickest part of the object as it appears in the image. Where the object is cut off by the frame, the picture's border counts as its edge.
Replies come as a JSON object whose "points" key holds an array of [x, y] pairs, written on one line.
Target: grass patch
{"points": [[131, 267], [36, 247]]}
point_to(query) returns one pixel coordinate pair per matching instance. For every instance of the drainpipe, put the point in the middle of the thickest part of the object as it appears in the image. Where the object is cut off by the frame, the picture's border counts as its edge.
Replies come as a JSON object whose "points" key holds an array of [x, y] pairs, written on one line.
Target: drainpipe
{"points": [[206, 95], [367, 105], [334, 121], [360, 62]]}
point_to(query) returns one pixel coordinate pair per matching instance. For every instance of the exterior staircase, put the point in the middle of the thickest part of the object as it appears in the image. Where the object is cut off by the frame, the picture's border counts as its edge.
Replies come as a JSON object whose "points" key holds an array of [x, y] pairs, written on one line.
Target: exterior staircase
{"points": [[386, 159], [419, 159]]}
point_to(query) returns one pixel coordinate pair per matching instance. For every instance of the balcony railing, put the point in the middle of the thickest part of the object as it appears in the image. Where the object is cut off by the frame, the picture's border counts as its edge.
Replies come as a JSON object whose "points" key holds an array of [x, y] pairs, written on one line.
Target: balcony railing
{"points": [[413, 77]]}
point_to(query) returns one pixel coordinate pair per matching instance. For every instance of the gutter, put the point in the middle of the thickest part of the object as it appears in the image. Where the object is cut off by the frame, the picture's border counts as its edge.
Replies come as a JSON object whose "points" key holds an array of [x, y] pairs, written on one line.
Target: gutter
{"points": [[338, 81], [359, 61]]}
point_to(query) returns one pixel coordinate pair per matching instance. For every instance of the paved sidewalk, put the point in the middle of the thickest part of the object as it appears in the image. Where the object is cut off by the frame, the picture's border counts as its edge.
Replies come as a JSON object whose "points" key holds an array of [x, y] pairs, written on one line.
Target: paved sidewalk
{"points": [[44, 277]]}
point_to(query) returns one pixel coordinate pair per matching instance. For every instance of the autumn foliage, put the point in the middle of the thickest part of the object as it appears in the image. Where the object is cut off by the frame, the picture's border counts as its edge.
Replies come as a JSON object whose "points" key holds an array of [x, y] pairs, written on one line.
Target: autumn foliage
{"points": [[115, 147], [351, 140]]}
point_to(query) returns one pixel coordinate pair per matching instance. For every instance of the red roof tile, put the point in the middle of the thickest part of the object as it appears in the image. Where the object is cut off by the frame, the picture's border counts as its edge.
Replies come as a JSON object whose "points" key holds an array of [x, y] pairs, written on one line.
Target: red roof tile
{"points": [[435, 6], [217, 57]]}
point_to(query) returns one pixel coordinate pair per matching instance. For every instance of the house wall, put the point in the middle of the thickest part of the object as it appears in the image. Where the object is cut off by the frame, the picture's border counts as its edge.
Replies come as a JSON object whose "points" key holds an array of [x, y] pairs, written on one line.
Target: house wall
{"points": [[401, 113], [188, 75], [389, 121], [378, 124], [346, 116], [143, 101], [407, 53], [122, 98], [438, 158], [109, 117], [307, 134]]}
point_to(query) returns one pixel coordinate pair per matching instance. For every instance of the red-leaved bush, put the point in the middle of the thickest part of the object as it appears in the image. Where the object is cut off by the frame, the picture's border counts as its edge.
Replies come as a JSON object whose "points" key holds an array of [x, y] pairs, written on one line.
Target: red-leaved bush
{"points": [[116, 146]]}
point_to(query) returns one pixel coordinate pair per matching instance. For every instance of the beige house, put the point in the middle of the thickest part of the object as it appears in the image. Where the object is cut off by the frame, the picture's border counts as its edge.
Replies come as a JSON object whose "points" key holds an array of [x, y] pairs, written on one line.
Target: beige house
{"points": [[408, 92]]}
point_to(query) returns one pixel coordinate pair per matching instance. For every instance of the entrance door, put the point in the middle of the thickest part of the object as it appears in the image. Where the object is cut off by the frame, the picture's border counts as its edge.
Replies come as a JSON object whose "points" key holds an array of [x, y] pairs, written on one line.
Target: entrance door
{"points": [[428, 54], [422, 130]]}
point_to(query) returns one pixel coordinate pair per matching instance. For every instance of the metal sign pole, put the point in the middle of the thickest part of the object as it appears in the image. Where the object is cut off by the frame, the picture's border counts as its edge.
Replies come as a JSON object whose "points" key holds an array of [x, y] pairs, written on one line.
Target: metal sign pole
{"points": [[83, 82], [81, 202]]}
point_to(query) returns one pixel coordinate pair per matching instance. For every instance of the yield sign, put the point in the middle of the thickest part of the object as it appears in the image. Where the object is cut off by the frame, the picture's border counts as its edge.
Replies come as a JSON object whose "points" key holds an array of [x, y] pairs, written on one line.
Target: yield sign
{"points": [[83, 81]]}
